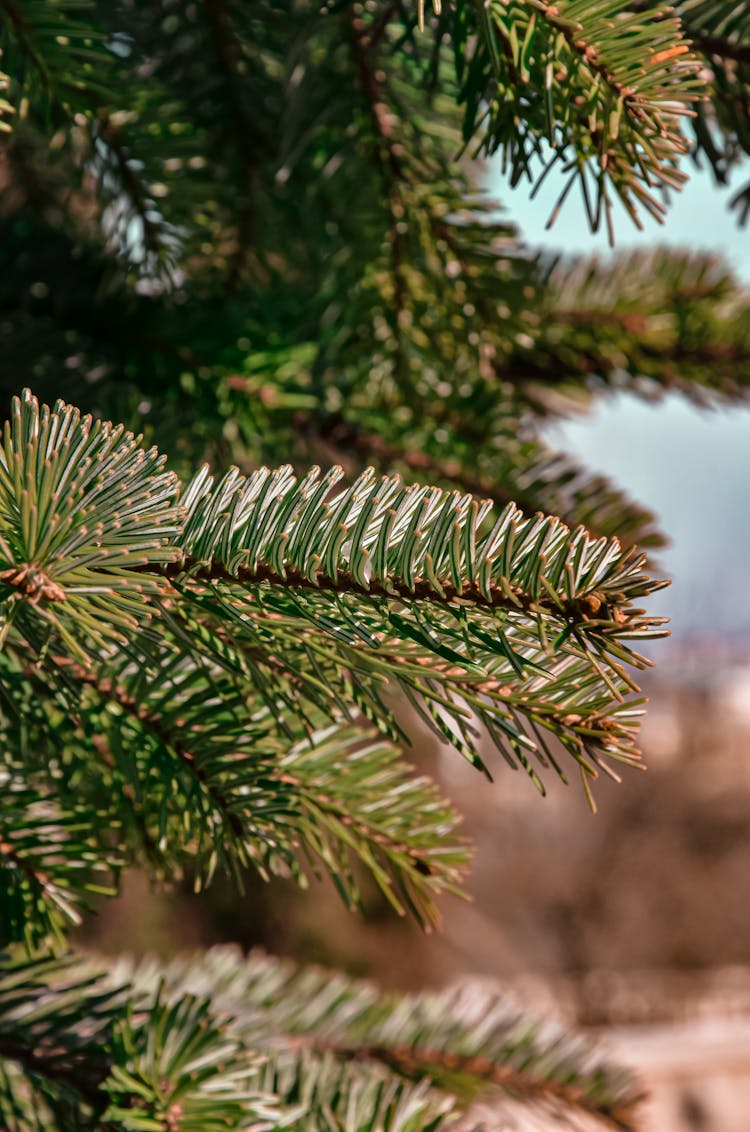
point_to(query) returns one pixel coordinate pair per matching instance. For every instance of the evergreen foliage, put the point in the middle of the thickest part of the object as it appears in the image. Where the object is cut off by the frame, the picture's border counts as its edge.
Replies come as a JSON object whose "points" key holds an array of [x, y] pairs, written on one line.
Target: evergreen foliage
{"points": [[253, 234]]}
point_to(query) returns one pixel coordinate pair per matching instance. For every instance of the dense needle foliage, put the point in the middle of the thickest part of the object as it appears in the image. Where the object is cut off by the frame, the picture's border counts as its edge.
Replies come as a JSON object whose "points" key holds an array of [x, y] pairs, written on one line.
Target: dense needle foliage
{"points": [[253, 234]]}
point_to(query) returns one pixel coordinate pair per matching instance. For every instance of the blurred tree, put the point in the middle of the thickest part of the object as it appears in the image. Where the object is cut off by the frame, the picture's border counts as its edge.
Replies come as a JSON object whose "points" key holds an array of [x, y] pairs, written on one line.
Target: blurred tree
{"points": [[252, 232]]}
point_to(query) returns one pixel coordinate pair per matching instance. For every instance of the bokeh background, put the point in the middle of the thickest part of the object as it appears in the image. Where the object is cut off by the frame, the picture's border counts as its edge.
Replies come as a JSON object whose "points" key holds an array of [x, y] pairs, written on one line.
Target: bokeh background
{"points": [[633, 924]]}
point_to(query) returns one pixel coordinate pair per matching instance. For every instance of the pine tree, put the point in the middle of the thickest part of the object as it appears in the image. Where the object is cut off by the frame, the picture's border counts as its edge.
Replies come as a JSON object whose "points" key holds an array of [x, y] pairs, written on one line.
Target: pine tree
{"points": [[253, 234]]}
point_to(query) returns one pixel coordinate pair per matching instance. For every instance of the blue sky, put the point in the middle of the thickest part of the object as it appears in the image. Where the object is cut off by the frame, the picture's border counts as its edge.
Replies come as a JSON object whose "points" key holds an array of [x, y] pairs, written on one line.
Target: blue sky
{"points": [[698, 218], [691, 466]]}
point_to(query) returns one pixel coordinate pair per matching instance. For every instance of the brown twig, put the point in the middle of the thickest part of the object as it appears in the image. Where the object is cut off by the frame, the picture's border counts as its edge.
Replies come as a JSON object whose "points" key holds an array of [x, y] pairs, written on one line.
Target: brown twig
{"points": [[585, 608], [421, 1061], [389, 162]]}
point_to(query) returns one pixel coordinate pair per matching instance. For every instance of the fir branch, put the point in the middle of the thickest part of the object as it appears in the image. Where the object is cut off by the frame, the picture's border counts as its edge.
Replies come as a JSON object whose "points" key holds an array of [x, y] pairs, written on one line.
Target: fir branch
{"points": [[53, 58], [55, 1021], [89, 1043], [51, 859], [110, 691], [113, 160], [511, 599], [357, 565], [615, 102], [417, 1062], [264, 804], [234, 1038], [678, 319], [528, 474], [460, 1039], [424, 521], [364, 41]]}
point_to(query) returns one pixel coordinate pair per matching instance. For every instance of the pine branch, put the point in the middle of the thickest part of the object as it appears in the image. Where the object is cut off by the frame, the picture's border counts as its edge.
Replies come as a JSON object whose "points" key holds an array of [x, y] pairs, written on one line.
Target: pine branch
{"points": [[364, 1097], [564, 78], [418, 1062], [436, 266], [680, 320], [516, 619], [525, 472], [207, 778], [720, 32], [422, 522], [49, 861], [260, 1040], [55, 1022], [346, 581], [86, 1043], [390, 167], [175, 1066], [132, 218], [69, 748], [460, 1039], [55, 61]]}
